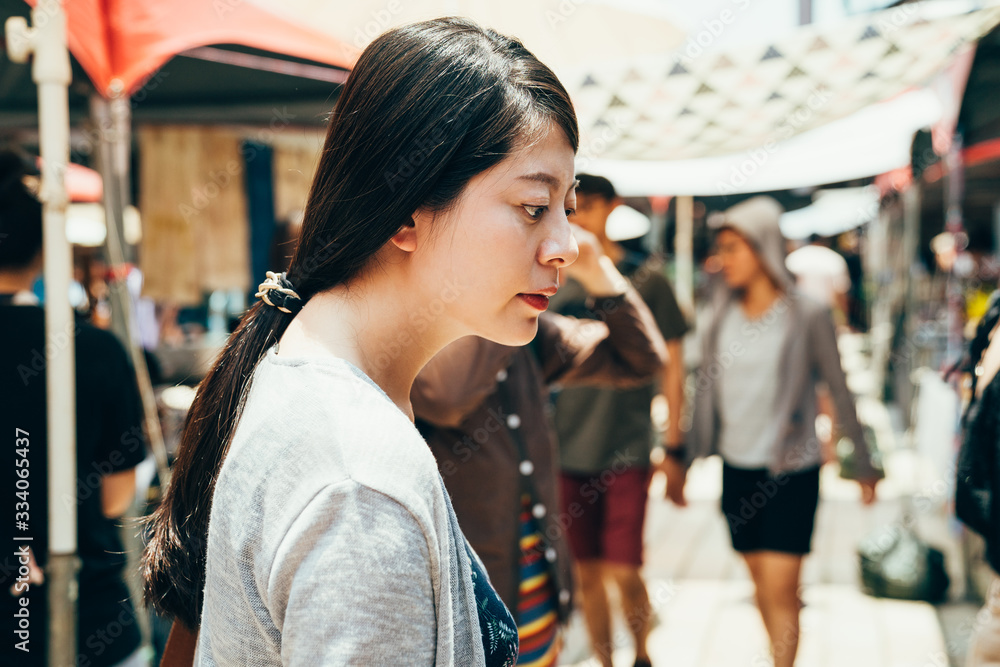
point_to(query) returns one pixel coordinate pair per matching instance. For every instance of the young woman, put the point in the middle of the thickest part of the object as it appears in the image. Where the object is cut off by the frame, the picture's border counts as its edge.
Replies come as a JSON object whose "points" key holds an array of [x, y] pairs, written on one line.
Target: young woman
{"points": [[306, 522], [765, 352]]}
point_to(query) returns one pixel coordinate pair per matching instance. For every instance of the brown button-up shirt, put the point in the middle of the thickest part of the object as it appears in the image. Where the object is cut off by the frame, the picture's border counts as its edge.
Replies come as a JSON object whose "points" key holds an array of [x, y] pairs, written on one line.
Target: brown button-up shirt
{"points": [[483, 408]]}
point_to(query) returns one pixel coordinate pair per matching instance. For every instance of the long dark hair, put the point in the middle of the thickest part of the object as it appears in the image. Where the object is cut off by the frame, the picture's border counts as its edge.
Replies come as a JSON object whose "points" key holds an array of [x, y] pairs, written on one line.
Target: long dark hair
{"points": [[427, 107]]}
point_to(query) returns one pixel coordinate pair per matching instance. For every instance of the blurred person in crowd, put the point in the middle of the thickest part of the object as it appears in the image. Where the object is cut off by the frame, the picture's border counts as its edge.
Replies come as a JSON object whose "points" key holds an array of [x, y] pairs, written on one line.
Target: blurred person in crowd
{"points": [[821, 273], [977, 487], [482, 407], [848, 245], [764, 354], [110, 442], [306, 522], [606, 434]]}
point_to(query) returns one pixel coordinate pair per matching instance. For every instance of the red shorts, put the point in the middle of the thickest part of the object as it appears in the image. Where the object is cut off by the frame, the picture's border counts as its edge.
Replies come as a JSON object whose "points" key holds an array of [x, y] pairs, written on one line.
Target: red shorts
{"points": [[602, 514]]}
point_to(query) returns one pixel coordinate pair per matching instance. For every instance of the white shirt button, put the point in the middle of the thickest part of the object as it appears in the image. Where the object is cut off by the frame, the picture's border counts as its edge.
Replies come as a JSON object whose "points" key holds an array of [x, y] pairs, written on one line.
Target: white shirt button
{"points": [[526, 467], [550, 555], [513, 421], [564, 596], [501, 375], [538, 511]]}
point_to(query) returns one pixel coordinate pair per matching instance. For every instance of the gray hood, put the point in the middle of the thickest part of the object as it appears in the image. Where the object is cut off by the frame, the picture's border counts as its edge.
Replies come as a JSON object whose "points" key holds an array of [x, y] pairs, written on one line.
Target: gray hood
{"points": [[756, 220]]}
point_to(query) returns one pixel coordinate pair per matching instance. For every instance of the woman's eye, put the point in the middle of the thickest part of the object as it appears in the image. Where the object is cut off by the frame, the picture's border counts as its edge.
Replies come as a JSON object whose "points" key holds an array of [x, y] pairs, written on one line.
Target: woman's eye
{"points": [[570, 211], [535, 212]]}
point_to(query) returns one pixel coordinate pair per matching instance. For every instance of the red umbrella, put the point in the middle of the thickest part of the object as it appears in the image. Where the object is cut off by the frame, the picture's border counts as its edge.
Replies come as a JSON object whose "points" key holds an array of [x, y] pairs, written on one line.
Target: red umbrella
{"points": [[128, 40]]}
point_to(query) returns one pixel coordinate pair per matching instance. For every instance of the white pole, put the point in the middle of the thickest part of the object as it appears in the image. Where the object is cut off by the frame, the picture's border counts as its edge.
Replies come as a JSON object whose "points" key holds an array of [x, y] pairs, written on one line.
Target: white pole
{"points": [[684, 253], [51, 72]]}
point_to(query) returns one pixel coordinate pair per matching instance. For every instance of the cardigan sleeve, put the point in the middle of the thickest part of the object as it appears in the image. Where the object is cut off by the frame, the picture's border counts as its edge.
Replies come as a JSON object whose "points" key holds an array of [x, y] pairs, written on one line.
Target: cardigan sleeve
{"points": [[826, 357], [623, 348], [352, 583]]}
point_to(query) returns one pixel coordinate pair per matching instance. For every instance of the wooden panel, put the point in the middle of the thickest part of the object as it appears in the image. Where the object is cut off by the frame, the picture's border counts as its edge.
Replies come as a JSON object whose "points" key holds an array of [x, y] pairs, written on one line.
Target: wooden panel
{"points": [[194, 212]]}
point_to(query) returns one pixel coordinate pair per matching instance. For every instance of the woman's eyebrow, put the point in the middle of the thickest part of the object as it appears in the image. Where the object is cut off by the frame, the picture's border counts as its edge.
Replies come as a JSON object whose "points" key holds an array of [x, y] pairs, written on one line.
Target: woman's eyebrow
{"points": [[548, 179]]}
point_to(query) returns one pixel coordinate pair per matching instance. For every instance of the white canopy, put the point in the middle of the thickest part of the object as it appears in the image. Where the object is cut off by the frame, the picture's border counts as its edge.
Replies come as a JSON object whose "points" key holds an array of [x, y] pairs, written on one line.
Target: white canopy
{"points": [[693, 105], [832, 212], [563, 33], [871, 141]]}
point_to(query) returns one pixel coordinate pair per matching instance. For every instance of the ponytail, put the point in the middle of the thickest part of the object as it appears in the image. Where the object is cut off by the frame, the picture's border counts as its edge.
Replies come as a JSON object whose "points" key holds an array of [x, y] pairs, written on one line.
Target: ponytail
{"points": [[173, 565]]}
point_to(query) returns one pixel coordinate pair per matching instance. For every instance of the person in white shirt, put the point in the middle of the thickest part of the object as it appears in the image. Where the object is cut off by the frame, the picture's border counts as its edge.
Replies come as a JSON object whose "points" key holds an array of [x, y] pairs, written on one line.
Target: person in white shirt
{"points": [[822, 274]]}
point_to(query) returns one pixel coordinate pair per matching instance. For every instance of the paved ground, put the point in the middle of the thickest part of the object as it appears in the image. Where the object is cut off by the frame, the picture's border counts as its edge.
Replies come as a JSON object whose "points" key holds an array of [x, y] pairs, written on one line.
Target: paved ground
{"points": [[702, 594]]}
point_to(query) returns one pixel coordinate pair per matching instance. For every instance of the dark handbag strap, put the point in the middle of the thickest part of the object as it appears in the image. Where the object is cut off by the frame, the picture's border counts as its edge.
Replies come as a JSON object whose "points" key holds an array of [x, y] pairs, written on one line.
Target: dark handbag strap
{"points": [[181, 643]]}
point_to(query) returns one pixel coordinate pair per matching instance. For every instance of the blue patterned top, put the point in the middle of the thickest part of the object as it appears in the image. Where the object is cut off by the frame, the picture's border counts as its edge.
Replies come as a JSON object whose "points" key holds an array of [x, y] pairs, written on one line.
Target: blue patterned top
{"points": [[495, 622]]}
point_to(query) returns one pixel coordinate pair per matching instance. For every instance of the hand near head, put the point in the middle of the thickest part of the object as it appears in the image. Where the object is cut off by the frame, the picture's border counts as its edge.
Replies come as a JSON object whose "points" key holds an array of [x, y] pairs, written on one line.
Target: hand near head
{"points": [[593, 268]]}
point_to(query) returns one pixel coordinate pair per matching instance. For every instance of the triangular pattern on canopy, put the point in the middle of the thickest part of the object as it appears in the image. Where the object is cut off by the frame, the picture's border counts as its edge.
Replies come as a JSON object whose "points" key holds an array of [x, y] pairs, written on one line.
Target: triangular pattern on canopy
{"points": [[679, 107]]}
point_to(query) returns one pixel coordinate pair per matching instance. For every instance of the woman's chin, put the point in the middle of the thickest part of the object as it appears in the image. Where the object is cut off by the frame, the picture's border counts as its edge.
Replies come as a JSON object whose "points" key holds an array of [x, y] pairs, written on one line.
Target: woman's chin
{"points": [[513, 334]]}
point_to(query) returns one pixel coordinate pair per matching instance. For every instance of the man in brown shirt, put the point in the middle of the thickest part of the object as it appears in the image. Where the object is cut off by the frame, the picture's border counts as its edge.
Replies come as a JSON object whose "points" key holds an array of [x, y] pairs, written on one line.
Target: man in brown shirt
{"points": [[484, 410]]}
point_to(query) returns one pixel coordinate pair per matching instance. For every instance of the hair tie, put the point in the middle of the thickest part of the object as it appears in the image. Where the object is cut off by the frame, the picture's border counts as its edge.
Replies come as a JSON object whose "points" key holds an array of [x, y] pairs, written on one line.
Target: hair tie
{"points": [[277, 291]]}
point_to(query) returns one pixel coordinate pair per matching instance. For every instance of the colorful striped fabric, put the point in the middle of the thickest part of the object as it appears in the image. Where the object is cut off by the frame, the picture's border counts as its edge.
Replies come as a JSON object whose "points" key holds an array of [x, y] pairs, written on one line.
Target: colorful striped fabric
{"points": [[537, 620]]}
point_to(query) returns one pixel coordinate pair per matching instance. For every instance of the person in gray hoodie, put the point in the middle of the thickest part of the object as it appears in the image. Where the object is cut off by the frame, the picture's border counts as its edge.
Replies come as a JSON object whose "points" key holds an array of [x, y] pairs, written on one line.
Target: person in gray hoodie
{"points": [[765, 352]]}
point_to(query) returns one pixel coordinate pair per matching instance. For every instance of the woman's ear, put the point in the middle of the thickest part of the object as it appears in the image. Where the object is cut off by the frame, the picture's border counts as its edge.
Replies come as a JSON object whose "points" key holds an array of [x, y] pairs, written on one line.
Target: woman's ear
{"points": [[416, 227], [406, 238]]}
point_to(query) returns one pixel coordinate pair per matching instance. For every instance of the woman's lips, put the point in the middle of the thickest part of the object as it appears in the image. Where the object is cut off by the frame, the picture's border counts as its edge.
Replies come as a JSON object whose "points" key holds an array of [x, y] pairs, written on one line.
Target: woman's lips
{"points": [[536, 301]]}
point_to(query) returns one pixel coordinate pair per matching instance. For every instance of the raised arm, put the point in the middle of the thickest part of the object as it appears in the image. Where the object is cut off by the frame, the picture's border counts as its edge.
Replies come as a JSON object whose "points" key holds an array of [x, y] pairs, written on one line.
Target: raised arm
{"points": [[625, 349], [622, 347]]}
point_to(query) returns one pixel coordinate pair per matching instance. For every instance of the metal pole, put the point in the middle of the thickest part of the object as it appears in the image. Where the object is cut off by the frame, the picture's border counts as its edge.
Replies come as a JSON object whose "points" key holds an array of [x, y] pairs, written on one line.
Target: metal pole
{"points": [[51, 72], [112, 119], [684, 253]]}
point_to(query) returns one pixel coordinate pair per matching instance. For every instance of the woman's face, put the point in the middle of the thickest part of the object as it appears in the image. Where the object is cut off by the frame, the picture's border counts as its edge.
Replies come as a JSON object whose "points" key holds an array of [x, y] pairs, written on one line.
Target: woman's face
{"points": [[740, 265], [490, 262]]}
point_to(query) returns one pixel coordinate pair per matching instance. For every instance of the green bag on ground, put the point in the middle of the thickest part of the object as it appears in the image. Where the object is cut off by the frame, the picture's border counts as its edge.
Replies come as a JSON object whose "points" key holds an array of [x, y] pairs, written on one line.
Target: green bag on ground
{"points": [[897, 563]]}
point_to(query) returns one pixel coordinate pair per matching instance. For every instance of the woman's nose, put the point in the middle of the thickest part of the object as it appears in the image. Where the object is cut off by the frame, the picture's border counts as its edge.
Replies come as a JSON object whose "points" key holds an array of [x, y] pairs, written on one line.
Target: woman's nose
{"points": [[559, 248]]}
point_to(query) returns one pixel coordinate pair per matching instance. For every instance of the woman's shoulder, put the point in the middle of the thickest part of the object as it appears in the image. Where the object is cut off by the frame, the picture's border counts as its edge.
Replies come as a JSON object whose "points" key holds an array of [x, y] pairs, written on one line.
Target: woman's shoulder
{"points": [[308, 425]]}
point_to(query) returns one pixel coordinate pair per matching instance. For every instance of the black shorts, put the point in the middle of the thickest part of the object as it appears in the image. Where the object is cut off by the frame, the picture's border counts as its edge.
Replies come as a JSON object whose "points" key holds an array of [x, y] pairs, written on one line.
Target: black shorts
{"points": [[770, 513]]}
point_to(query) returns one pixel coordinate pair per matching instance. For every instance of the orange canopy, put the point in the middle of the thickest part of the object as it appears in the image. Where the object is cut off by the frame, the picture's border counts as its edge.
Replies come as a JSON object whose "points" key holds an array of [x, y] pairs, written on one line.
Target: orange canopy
{"points": [[129, 40]]}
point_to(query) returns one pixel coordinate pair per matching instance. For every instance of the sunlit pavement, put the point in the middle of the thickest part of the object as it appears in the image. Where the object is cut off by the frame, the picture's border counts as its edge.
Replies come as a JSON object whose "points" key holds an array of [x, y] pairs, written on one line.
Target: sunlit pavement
{"points": [[703, 598]]}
